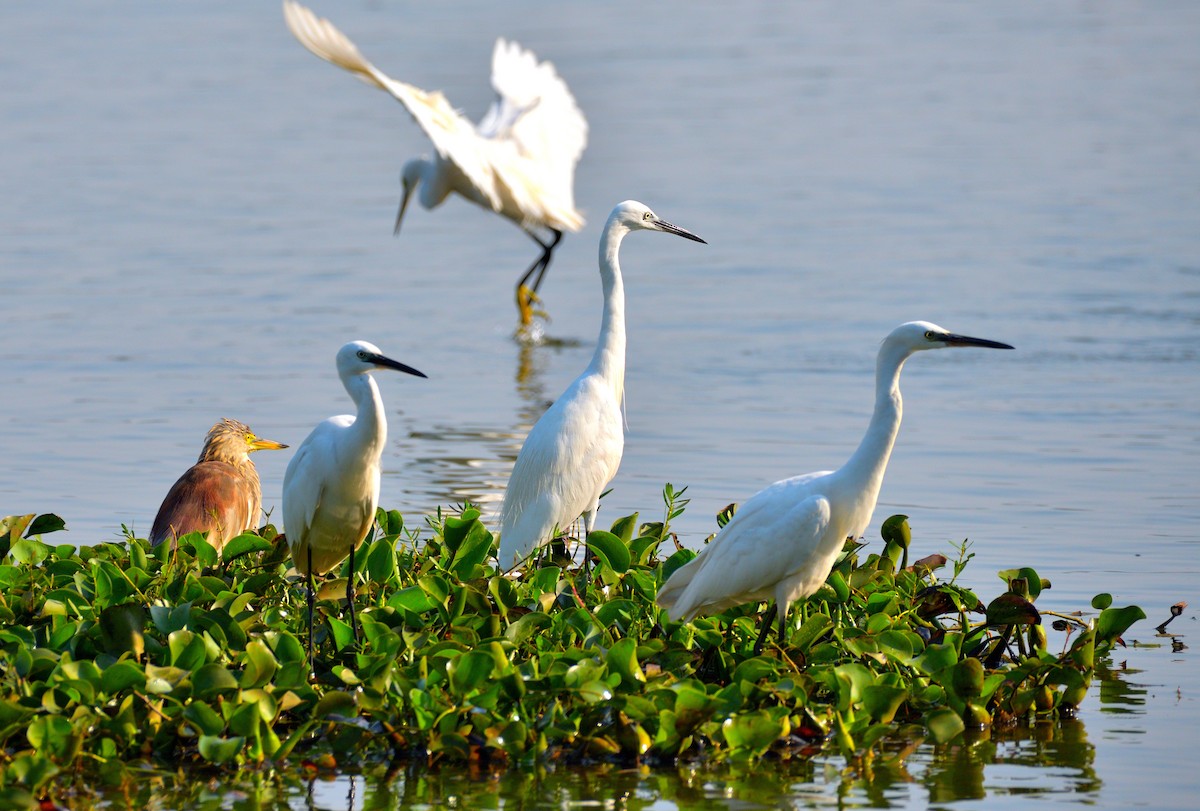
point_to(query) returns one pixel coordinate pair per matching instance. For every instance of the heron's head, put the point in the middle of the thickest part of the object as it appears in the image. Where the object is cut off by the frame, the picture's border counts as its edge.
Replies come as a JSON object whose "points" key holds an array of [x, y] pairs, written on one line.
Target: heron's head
{"points": [[361, 357], [638, 217], [410, 177], [230, 440], [918, 335]]}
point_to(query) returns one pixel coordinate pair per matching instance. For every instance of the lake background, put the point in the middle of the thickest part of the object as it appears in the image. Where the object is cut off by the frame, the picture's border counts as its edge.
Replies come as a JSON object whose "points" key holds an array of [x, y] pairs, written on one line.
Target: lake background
{"points": [[197, 214]]}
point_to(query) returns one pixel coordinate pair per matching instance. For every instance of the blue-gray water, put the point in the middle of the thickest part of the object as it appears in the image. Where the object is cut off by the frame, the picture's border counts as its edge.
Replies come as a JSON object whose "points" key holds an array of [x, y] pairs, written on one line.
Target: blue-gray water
{"points": [[197, 213]]}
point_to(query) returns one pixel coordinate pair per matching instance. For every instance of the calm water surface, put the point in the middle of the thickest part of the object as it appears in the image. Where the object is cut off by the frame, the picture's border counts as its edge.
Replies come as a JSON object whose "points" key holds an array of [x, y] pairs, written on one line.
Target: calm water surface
{"points": [[197, 213]]}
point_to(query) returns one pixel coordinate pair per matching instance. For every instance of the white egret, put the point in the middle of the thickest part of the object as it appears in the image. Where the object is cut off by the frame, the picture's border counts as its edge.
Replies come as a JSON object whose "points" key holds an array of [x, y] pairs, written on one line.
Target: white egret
{"points": [[574, 449], [220, 494], [518, 162], [783, 542], [331, 486]]}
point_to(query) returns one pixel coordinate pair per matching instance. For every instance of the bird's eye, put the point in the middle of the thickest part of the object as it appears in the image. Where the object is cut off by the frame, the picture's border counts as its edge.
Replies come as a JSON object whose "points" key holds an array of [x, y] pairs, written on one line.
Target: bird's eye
{"points": [[931, 335], [647, 216], [362, 355]]}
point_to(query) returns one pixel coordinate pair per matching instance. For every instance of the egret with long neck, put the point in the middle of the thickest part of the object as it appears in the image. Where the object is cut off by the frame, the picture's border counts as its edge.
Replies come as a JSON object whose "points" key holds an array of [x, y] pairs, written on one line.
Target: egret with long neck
{"points": [[331, 487], [783, 542], [574, 450]]}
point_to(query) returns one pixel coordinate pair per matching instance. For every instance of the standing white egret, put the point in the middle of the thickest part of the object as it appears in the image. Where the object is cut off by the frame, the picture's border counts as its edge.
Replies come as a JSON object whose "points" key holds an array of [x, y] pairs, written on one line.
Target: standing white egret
{"points": [[574, 450], [783, 542], [519, 161], [331, 487]]}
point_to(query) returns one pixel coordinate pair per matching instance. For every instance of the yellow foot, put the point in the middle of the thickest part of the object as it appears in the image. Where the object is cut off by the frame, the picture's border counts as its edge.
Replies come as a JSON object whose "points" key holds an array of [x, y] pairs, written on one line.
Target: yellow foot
{"points": [[525, 299]]}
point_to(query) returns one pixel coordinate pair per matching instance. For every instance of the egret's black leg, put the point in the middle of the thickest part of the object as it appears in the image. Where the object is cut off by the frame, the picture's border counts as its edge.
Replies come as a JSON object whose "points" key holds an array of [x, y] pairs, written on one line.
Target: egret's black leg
{"points": [[547, 252], [767, 619], [350, 597], [542, 262]]}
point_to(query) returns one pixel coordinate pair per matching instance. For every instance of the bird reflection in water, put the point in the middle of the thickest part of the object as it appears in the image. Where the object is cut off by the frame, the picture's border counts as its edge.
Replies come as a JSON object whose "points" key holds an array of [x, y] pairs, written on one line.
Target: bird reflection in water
{"points": [[459, 463]]}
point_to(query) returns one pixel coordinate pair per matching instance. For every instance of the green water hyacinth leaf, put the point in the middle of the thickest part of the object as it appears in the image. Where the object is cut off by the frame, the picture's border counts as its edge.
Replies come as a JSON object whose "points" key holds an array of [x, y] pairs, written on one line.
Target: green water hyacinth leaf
{"points": [[624, 528], [288, 649], [187, 650], [35, 772], [121, 628], [852, 679], [258, 664], [882, 701], [162, 680], [381, 561], [216, 749], [622, 659], [121, 676], [470, 671], [245, 544], [1113, 622], [205, 552], [45, 524], [966, 678], [50, 735], [29, 552], [525, 627], [896, 530], [841, 588], [594, 691], [643, 549], [204, 718], [1033, 581], [611, 550], [1012, 609], [752, 671], [335, 702], [472, 552], [343, 634], [213, 678], [754, 731], [815, 626], [413, 598], [12, 528], [168, 619], [936, 658], [944, 724], [1102, 601]]}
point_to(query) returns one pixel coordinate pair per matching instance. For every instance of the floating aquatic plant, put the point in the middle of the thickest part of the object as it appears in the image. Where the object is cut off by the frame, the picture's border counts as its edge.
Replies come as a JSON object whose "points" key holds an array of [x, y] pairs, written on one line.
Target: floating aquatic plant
{"points": [[119, 657]]}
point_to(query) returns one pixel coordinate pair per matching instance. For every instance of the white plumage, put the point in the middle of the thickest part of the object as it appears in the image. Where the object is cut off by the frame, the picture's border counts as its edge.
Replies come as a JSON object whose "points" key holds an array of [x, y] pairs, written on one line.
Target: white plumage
{"points": [[519, 162], [574, 450], [783, 542], [331, 486]]}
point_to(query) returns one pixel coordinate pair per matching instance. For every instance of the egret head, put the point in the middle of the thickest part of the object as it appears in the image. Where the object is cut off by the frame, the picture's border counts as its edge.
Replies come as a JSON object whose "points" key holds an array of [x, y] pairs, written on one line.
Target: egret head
{"points": [[918, 335], [231, 441], [637, 216], [361, 357], [410, 176]]}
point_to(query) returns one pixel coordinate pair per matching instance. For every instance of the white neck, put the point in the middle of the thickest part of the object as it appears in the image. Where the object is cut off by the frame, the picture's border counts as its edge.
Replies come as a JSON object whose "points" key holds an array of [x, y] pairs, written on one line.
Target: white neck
{"points": [[609, 359], [370, 423], [866, 467]]}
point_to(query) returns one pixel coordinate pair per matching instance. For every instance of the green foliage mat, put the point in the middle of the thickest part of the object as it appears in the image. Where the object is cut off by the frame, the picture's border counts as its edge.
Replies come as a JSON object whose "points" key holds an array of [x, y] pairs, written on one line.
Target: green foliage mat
{"points": [[119, 658]]}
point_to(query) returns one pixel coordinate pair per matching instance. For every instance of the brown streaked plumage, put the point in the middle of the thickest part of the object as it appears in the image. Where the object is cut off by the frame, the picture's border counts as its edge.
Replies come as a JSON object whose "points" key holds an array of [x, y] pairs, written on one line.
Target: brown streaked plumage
{"points": [[220, 494]]}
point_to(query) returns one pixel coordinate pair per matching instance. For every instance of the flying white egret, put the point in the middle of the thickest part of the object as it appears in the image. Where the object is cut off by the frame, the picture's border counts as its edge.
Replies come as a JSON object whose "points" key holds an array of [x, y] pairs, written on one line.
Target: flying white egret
{"points": [[519, 161], [783, 542], [574, 450], [220, 494], [331, 486]]}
